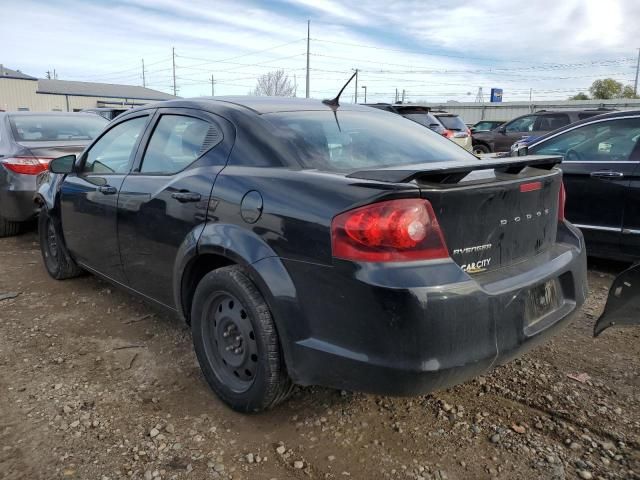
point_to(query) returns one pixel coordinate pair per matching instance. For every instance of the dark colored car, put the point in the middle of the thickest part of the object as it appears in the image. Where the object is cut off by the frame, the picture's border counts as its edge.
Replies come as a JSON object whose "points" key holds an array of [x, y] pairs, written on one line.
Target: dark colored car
{"points": [[108, 113], [602, 176], [531, 125], [485, 125], [28, 141], [318, 244]]}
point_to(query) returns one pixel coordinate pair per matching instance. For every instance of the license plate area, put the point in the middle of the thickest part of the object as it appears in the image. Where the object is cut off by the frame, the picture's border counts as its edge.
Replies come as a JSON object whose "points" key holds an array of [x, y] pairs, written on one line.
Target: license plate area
{"points": [[542, 300]]}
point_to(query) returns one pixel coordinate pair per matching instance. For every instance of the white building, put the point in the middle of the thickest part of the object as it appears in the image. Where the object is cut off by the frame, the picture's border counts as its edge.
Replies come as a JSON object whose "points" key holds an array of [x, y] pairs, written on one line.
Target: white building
{"points": [[19, 91]]}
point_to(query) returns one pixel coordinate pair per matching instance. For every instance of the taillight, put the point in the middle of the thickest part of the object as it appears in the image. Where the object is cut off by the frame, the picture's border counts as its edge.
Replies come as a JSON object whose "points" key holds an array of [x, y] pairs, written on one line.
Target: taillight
{"points": [[447, 133], [389, 231], [26, 165], [562, 201]]}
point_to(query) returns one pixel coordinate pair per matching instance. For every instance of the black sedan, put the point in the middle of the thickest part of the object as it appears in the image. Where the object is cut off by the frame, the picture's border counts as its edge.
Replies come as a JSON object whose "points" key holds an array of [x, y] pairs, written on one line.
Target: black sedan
{"points": [[311, 243], [602, 176]]}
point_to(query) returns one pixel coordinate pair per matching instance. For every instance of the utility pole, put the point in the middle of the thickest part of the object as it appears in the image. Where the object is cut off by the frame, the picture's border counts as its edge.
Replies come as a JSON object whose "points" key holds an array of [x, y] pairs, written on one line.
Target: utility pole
{"points": [[403, 95], [635, 84], [365, 93], [144, 80], [213, 90], [308, 31], [356, 94], [173, 57], [396, 97], [48, 75]]}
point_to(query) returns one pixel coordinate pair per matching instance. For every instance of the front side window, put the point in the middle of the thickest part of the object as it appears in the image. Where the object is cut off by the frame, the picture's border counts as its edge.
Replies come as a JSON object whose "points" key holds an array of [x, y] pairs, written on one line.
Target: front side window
{"points": [[523, 124], [352, 140], [612, 140], [176, 142], [113, 152]]}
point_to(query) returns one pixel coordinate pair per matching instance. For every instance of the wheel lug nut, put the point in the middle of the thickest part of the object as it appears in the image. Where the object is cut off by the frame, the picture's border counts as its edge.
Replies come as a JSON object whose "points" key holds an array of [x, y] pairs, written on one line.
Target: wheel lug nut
{"points": [[238, 338]]}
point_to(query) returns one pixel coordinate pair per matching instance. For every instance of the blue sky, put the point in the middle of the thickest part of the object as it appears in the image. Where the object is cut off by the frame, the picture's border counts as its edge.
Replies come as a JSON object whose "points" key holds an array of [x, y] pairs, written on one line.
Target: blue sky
{"points": [[435, 51]]}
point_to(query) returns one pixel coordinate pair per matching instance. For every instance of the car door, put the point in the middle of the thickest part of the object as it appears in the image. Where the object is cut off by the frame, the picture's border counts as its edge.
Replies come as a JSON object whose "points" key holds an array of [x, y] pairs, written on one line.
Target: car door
{"points": [[513, 131], [163, 202], [630, 242], [598, 167], [89, 196]]}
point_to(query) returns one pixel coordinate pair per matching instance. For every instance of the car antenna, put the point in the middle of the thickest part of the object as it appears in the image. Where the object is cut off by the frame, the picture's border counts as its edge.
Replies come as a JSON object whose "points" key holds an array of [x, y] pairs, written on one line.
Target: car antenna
{"points": [[335, 102]]}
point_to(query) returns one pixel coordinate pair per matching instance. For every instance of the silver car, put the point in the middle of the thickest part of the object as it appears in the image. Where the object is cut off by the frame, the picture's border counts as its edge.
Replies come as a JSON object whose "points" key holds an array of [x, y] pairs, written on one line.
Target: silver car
{"points": [[28, 142]]}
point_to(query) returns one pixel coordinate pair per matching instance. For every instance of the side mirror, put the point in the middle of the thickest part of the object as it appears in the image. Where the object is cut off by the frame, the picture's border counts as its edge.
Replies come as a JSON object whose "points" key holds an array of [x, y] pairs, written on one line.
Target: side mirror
{"points": [[623, 303], [523, 150], [63, 165], [502, 129]]}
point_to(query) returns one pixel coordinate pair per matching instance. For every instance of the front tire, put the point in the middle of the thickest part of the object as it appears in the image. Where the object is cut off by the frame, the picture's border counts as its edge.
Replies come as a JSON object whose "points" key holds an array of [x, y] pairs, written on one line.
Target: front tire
{"points": [[236, 342], [55, 255], [8, 228], [480, 149]]}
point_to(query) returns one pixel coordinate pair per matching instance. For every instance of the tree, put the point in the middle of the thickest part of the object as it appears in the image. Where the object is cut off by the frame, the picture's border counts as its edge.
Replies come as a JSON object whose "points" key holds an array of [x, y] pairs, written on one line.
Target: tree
{"points": [[580, 96], [606, 89], [627, 92], [274, 84]]}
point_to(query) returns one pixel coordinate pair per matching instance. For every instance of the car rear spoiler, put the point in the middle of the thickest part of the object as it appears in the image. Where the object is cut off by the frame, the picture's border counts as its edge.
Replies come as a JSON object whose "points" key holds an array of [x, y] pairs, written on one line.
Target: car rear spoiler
{"points": [[454, 171]]}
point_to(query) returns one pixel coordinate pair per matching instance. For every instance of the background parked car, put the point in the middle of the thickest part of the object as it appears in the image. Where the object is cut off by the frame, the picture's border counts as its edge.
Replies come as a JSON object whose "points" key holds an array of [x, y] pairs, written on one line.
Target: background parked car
{"points": [[107, 112], [602, 178], [485, 125], [28, 141], [447, 124], [532, 125]]}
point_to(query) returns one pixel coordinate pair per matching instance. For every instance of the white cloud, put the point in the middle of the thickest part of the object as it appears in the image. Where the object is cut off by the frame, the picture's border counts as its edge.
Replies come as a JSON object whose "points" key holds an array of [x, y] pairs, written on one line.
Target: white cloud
{"points": [[465, 45]]}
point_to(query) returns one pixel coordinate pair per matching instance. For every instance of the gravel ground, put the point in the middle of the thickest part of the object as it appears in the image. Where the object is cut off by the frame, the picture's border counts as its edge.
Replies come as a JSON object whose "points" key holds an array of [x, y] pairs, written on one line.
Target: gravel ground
{"points": [[97, 385]]}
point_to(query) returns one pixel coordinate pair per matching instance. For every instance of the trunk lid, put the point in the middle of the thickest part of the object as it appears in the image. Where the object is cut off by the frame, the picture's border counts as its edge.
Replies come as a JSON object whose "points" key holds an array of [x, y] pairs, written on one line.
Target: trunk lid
{"points": [[54, 149], [493, 213]]}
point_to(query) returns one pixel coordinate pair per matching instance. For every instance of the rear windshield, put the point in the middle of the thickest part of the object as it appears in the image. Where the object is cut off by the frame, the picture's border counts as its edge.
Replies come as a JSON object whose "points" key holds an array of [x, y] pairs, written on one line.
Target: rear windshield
{"points": [[452, 122], [355, 140], [51, 128], [425, 119]]}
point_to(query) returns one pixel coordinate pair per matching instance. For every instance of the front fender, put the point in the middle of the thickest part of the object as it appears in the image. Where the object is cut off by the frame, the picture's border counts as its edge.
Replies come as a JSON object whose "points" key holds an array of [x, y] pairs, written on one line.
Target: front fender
{"points": [[48, 189]]}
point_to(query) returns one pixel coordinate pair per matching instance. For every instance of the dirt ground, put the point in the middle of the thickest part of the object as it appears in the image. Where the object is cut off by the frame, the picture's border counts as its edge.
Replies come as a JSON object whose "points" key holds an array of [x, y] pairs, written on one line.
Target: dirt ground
{"points": [[97, 385]]}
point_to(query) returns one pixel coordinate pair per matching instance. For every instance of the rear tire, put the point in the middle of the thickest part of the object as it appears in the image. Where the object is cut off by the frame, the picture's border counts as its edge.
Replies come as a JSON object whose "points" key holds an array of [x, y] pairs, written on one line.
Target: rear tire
{"points": [[8, 228], [55, 255], [236, 342], [481, 149]]}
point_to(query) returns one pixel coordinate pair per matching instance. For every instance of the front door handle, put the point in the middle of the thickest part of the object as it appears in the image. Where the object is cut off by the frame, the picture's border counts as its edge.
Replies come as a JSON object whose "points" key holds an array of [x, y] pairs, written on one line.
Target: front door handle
{"points": [[607, 174], [185, 196], [107, 190]]}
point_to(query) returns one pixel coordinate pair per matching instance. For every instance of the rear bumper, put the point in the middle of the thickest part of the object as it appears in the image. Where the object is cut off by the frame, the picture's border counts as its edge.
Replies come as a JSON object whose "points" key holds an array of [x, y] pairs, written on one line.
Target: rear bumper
{"points": [[16, 196], [413, 328]]}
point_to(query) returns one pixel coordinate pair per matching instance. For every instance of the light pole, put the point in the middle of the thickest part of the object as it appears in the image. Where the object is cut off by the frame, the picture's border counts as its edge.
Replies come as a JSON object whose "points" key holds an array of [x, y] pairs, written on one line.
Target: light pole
{"points": [[365, 93]]}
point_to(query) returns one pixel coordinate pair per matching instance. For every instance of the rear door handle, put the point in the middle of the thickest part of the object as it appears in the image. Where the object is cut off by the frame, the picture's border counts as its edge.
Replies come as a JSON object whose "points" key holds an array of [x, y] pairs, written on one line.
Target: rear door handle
{"points": [[607, 174], [185, 197], [107, 190]]}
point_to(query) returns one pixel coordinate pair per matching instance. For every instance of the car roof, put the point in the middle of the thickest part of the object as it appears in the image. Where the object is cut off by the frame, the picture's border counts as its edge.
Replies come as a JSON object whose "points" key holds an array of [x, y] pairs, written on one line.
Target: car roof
{"points": [[41, 114], [262, 105], [604, 116], [575, 110]]}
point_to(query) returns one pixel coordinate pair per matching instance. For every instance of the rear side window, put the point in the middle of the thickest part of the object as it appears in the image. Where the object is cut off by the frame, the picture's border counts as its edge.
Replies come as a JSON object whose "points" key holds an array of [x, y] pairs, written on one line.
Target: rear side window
{"points": [[176, 142], [613, 140], [51, 128], [546, 123], [351, 140], [452, 122]]}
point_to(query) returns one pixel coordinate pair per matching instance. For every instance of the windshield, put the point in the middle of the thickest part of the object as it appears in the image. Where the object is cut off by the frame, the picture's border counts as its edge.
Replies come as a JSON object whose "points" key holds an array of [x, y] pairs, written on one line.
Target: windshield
{"points": [[51, 128], [488, 125], [357, 140], [452, 122]]}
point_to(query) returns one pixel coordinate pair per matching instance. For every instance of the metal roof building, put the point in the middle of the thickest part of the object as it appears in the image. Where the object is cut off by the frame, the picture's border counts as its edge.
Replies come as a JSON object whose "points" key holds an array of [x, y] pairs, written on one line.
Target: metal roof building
{"points": [[19, 91]]}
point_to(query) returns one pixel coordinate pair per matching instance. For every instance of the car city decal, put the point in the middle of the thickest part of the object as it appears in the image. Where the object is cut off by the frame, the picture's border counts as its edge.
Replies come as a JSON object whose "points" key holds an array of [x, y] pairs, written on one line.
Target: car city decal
{"points": [[526, 217], [476, 267]]}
